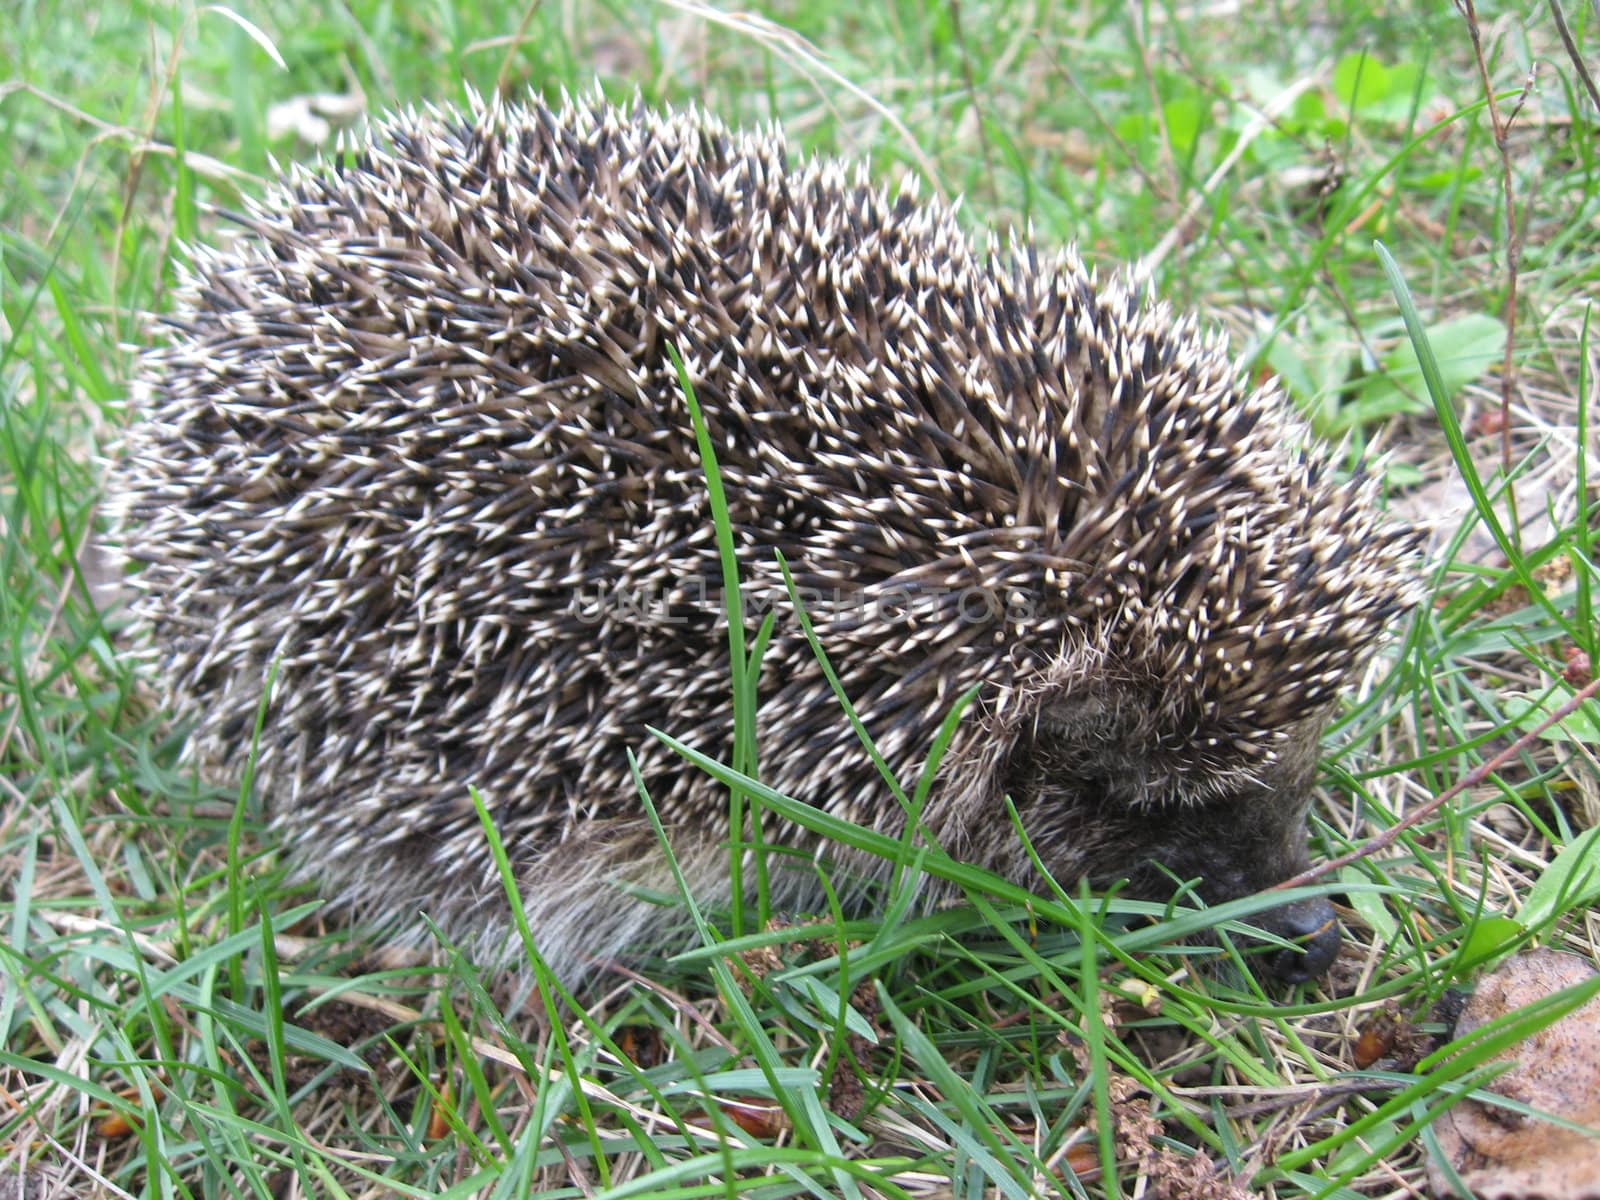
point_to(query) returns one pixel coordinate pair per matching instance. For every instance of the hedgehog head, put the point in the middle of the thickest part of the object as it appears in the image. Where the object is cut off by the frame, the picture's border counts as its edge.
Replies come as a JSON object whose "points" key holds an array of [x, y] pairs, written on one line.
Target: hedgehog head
{"points": [[1190, 593]]}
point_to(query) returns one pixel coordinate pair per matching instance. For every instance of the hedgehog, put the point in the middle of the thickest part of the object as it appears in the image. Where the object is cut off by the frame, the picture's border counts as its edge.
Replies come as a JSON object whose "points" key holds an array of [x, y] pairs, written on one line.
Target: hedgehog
{"points": [[415, 448]]}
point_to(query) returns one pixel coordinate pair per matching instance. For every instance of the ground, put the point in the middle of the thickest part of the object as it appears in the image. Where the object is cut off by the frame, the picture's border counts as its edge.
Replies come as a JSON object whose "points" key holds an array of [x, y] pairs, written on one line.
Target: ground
{"points": [[1334, 183]]}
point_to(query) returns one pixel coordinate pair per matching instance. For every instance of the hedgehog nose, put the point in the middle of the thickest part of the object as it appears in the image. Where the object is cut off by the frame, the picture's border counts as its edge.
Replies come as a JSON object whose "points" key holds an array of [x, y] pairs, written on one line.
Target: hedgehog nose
{"points": [[1311, 924]]}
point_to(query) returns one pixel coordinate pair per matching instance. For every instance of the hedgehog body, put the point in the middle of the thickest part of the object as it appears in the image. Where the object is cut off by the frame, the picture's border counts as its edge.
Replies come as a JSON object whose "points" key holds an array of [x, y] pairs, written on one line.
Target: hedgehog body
{"points": [[416, 443]]}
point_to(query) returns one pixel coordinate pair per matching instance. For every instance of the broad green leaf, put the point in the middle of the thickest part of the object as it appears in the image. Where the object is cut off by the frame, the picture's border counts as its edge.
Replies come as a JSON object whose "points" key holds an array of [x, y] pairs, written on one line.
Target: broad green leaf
{"points": [[1314, 367], [1489, 936], [1360, 81], [1464, 348], [1580, 725], [1571, 881], [1185, 118], [1372, 908]]}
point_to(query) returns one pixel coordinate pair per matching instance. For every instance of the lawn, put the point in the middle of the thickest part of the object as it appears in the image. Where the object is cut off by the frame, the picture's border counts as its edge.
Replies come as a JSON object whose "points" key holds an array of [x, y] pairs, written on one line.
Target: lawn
{"points": [[1335, 184]]}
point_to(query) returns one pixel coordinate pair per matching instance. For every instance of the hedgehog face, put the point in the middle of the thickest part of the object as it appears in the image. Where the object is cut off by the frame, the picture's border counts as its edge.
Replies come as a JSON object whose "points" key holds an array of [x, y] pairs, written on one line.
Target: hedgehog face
{"points": [[1086, 791]]}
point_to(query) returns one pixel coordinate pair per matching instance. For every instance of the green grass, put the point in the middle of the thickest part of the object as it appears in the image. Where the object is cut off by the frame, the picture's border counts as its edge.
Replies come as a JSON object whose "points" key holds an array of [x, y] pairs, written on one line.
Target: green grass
{"points": [[178, 1022]]}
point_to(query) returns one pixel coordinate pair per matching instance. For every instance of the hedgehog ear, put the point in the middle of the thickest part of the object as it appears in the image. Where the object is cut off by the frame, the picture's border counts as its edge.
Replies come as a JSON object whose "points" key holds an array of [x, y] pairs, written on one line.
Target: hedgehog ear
{"points": [[1100, 738], [1129, 745], [1087, 718]]}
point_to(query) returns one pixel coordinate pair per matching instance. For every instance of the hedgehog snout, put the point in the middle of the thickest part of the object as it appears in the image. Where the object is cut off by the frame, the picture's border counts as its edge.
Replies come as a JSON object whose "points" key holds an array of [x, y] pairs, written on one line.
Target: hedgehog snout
{"points": [[1314, 927], [1227, 872], [1245, 843]]}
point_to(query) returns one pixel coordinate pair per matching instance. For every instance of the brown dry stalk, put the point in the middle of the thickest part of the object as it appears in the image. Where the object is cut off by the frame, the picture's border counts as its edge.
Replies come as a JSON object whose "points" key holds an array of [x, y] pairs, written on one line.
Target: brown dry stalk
{"points": [[1471, 779], [1502, 138]]}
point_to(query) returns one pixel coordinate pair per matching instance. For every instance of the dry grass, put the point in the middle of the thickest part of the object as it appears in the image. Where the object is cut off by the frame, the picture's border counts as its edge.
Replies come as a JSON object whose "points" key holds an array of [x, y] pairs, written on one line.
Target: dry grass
{"points": [[176, 1022]]}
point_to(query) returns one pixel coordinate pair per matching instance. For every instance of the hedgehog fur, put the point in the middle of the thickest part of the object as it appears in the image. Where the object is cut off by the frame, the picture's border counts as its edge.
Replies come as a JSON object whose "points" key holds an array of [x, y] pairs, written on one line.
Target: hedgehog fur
{"points": [[416, 442]]}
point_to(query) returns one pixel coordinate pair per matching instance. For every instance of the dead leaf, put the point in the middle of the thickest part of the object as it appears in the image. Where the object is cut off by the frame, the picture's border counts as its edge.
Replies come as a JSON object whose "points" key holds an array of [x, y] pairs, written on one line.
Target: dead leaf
{"points": [[1502, 1155]]}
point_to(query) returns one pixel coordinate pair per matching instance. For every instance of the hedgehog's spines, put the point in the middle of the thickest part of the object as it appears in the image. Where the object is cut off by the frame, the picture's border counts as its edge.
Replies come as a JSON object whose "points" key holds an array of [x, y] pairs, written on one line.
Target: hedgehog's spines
{"points": [[415, 440]]}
